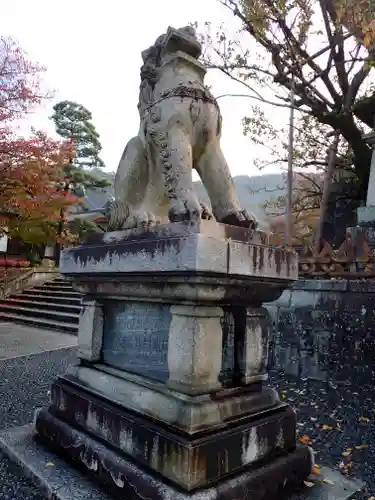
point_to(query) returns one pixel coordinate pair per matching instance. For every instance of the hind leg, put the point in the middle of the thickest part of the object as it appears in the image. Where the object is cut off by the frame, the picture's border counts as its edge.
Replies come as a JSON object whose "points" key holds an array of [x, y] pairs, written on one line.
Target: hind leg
{"points": [[131, 184], [213, 169]]}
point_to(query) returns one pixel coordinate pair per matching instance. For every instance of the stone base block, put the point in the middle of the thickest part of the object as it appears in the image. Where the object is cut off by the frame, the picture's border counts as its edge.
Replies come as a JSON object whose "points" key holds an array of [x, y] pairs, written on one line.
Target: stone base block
{"points": [[361, 236], [189, 461], [366, 215], [58, 480], [182, 412]]}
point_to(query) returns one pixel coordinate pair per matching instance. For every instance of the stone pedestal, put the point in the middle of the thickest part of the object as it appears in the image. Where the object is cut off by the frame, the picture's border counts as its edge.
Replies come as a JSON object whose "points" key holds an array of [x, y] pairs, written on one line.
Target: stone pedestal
{"points": [[170, 399], [366, 215], [363, 235]]}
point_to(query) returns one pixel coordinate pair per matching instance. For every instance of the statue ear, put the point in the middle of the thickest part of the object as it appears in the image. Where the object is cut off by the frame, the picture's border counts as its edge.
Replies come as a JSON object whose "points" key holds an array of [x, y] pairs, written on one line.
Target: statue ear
{"points": [[183, 39], [188, 31]]}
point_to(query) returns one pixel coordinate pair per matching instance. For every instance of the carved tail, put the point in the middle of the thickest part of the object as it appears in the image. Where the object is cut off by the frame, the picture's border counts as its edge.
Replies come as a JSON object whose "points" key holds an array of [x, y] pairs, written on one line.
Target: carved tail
{"points": [[116, 213]]}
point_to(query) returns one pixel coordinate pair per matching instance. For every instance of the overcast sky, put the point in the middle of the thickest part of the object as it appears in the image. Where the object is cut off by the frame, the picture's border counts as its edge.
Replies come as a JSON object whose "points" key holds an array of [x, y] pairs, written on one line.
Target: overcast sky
{"points": [[92, 52]]}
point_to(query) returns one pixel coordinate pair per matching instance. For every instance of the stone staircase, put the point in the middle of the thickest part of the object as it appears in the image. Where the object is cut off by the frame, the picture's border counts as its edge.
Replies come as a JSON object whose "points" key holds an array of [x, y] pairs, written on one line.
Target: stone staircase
{"points": [[52, 305]]}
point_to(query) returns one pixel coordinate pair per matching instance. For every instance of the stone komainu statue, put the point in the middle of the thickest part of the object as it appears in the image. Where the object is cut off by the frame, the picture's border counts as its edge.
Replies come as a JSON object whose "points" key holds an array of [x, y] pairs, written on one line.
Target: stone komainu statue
{"points": [[180, 128]]}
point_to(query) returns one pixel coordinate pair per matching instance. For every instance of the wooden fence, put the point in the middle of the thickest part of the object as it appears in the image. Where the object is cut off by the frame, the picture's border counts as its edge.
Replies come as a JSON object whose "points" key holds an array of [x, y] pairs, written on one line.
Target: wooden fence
{"points": [[354, 259]]}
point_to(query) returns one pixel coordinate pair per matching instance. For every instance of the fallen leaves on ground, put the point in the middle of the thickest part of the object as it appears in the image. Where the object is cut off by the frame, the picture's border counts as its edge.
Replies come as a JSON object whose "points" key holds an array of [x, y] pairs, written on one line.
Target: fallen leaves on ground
{"points": [[362, 447], [364, 420], [309, 484], [326, 427], [347, 452], [305, 439], [316, 470], [345, 468], [350, 414], [328, 481]]}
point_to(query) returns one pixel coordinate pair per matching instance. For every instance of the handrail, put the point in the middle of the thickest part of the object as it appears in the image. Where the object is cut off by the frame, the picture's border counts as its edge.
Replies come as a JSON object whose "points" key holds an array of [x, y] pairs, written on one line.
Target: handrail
{"points": [[11, 277]]}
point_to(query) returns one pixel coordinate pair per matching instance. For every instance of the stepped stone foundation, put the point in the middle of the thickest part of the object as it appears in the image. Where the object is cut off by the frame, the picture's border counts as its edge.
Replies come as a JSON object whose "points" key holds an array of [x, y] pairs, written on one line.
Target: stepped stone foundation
{"points": [[170, 394], [169, 399]]}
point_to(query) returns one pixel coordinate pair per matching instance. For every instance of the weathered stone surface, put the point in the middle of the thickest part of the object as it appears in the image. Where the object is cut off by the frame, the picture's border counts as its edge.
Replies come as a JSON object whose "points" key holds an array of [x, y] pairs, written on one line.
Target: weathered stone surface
{"points": [[370, 200], [184, 352], [191, 253], [189, 461], [366, 214], [181, 287], [60, 482], [63, 482], [165, 229], [252, 344], [195, 348], [362, 237], [180, 129], [135, 337], [187, 413], [177, 385], [195, 251], [90, 330], [324, 329], [228, 363], [115, 470]]}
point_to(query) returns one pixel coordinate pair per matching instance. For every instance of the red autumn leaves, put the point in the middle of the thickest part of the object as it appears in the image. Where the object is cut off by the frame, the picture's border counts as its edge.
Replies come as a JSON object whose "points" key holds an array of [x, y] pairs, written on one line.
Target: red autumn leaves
{"points": [[31, 168]]}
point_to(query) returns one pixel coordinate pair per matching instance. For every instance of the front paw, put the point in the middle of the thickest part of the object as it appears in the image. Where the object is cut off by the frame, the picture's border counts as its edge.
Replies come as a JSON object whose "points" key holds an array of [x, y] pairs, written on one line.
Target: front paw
{"points": [[140, 219], [206, 212], [240, 218], [185, 209]]}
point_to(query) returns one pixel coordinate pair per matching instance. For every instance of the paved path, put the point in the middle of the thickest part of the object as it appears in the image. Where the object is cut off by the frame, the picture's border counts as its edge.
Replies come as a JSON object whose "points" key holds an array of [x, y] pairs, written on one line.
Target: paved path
{"points": [[18, 340], [29, 361]]}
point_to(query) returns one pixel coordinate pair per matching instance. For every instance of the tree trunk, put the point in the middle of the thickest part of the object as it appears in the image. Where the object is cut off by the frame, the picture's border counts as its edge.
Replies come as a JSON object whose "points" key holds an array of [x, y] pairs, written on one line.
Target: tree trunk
{"points": [[346, 125], [326, 189], [60, 231]]}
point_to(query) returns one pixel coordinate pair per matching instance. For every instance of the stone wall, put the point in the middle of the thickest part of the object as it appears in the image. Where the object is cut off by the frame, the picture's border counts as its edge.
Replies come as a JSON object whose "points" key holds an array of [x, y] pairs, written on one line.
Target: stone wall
{"points": [[325, 330]]}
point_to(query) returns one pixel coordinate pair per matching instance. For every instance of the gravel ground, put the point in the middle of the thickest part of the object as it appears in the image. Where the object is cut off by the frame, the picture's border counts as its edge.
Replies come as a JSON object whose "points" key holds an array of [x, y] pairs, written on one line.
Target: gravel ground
{"points": [[24, 383], [338, 422], [334, 420]]}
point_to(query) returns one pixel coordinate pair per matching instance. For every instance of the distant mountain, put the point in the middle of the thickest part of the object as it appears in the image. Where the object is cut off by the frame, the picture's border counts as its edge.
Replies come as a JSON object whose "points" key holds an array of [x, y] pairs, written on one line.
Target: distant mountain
{"points": [[253, 192]]}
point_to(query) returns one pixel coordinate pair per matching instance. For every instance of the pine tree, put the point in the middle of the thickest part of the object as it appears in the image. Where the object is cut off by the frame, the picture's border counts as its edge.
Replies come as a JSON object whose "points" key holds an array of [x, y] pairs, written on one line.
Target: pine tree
{"points": [[73, 123]]}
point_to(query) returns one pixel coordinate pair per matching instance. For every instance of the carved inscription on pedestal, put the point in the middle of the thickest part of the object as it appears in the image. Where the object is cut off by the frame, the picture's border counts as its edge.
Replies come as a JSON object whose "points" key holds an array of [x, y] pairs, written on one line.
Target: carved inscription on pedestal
{"points": [[135, 338]]}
